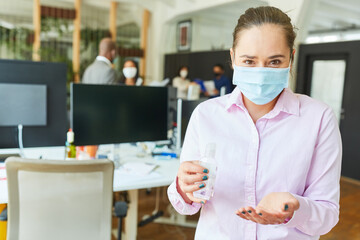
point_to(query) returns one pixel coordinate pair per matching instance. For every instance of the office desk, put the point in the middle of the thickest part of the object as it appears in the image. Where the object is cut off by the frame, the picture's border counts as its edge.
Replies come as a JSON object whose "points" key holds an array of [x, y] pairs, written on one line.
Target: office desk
{"points": [[162, 176]]}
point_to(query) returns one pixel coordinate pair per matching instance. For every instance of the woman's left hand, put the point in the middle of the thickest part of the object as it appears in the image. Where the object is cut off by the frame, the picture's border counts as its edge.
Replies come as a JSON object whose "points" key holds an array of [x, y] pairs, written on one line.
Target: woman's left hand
{"points": [[274, 208]]}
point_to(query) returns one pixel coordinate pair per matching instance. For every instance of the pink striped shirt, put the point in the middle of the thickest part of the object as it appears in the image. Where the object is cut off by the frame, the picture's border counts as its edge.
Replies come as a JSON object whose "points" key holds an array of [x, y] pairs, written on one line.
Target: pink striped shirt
{"points": [[294, 148]]}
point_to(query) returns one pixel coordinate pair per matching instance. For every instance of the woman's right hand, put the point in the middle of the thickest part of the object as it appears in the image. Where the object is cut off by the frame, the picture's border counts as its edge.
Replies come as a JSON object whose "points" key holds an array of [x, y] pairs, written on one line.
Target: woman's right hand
{"points": [[190, 178]]}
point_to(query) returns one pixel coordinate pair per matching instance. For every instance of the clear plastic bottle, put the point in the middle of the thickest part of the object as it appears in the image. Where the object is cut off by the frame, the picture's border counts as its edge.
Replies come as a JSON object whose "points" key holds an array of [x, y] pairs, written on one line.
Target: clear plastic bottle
{"points": [[208, 162]]}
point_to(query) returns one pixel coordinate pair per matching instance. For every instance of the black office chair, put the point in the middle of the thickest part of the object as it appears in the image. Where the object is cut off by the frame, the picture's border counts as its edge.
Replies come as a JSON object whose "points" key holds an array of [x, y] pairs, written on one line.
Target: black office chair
{"points": [[3, 215], [120, 212]]}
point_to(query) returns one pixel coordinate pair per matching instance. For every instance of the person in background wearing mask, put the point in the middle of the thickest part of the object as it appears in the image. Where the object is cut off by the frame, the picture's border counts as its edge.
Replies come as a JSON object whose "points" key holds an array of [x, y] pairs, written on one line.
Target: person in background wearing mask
{"points": [[131, 74], [220, 79], [182, 83], [101, 70], [278, 154]]}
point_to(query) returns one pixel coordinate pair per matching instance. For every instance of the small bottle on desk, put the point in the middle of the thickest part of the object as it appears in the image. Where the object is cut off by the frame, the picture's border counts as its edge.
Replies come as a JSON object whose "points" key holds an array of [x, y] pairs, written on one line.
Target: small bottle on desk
{"points": [[70, 149]]}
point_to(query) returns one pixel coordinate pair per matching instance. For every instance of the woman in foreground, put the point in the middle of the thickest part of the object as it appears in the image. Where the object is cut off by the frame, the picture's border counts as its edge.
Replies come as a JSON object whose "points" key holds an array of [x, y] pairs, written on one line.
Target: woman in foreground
{"points": [[278, 154]]}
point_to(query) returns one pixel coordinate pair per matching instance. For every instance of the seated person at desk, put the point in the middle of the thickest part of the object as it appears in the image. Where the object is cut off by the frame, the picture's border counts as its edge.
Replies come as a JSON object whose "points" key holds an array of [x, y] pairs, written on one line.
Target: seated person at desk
{"points": [[131, 74], [182, 83], [101, 71], [220, 79]]}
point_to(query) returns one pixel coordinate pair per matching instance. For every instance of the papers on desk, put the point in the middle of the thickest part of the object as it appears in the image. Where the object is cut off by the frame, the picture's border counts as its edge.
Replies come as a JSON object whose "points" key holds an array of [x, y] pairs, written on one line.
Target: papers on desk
{"points": [[210, 87], [132, 174], [138, 168]]}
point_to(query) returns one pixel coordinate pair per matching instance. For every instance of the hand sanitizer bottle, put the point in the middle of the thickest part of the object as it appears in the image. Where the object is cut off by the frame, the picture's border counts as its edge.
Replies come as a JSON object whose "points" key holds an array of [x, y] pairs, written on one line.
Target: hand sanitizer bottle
{"points": [[208, 162], [70, 149]]}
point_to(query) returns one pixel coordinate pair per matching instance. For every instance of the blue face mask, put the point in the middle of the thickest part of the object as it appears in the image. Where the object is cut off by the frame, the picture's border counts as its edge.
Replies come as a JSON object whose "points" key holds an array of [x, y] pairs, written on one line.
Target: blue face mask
{"points": [[260, 84]]}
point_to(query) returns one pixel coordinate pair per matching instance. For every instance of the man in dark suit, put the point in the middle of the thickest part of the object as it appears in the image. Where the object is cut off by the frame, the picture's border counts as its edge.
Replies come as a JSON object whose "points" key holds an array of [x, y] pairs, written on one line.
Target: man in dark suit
{"points": [[101, 71]]}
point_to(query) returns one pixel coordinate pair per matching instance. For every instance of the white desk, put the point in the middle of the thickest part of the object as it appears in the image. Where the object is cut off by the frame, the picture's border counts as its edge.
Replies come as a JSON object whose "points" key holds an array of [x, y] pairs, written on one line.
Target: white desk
{"points": [[165, 174]]}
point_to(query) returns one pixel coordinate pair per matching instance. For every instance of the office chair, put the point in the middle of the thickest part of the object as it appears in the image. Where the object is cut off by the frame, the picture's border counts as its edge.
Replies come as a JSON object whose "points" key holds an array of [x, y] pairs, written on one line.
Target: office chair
{"points": [[50, 199]]}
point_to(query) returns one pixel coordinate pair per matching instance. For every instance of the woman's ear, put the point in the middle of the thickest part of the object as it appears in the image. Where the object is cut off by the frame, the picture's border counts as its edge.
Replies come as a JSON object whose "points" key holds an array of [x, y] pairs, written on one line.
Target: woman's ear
{"points": [[293, 56], [232, 57]]}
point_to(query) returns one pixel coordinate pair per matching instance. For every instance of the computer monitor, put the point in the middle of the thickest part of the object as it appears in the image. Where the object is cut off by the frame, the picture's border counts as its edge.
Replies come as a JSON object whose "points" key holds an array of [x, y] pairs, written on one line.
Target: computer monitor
{"points": [[23, 104], [108, 114], [184, 111], [32, 94]]}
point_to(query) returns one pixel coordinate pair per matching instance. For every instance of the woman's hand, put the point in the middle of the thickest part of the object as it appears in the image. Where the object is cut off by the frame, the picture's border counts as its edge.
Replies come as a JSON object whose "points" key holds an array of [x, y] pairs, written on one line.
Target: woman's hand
{"points": [[190, 178], [274, 208]]}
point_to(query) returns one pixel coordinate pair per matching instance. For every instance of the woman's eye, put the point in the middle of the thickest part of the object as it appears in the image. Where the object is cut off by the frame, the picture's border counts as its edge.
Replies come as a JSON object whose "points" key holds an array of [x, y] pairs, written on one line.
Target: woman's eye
{"points": [[249, 62], [275, 62]]}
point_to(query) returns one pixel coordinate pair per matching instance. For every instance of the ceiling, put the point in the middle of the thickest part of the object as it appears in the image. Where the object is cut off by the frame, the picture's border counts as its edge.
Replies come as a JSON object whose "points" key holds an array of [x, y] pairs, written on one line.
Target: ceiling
{"points": [[225, 14], [334, 15]]}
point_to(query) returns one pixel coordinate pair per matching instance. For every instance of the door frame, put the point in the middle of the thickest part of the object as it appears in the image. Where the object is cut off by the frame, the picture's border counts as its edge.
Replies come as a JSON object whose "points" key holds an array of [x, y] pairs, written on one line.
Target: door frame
{"points": [[349, 126]]}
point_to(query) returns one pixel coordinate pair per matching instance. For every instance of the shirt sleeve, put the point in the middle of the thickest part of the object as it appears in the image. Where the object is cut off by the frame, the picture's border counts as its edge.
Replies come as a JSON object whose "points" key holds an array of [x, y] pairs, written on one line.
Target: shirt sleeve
{"points": [[319, 204], [190, 152], [179, 203]]}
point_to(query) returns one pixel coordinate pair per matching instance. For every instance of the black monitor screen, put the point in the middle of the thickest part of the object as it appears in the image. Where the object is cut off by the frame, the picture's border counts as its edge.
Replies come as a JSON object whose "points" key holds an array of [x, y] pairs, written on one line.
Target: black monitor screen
{"points": [[186, 111], [104, 114]]}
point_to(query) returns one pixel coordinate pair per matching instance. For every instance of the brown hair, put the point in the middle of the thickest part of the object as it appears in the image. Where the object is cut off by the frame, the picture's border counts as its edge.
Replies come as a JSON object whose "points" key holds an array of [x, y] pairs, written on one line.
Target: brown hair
{"points": [[262, 15]]}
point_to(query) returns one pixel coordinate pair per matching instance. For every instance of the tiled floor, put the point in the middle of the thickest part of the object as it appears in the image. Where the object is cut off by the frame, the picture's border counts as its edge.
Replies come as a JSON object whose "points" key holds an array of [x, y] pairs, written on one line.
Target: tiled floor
{"points": [[347, 229]]}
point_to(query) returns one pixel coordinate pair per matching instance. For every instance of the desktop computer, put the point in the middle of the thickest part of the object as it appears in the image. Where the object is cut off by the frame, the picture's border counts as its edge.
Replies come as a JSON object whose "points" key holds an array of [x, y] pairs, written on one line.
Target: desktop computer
{"points": [[32, 98], [184, 112], [109, 114]]}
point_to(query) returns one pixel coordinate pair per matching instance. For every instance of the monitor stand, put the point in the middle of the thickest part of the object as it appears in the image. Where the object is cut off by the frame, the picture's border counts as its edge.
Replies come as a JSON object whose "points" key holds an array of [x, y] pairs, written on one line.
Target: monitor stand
{"points": [[20, 139]]}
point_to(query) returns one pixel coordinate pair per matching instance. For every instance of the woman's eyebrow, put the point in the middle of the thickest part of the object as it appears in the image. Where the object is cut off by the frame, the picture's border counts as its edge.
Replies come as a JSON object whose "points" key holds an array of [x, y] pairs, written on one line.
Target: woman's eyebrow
{"points": [[277, 56], [247, 56]]}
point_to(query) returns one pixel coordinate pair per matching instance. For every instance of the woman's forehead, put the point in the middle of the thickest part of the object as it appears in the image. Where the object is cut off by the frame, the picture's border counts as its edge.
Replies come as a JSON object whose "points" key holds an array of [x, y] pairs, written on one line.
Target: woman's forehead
{"points": [[129, 64], [264, 40]]}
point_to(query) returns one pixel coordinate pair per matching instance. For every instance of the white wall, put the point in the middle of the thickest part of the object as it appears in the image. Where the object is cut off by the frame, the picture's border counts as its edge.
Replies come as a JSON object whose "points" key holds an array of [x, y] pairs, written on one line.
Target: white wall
{"points": [[207, 34], [210, 34]]}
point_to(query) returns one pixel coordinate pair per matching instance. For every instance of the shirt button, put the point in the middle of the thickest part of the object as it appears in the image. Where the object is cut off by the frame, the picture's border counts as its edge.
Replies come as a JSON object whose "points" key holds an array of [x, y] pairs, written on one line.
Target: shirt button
{"points": [[250, 167], [250, 198]]}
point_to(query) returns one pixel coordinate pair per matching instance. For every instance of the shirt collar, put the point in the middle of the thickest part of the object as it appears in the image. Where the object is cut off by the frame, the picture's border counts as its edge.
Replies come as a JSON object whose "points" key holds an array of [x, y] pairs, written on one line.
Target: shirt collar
{"points": [[287, 102], [235, 98], [103, 59]]}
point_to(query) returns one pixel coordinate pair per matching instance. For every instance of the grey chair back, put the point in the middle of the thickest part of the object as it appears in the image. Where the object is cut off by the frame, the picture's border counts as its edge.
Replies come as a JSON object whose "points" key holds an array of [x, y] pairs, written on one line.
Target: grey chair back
{"points": [[52, 199]]}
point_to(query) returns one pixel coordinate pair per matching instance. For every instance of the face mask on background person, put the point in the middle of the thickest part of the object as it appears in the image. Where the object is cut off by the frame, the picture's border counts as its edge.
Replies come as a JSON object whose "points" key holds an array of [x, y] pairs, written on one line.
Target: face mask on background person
{"points": [[129, 72], [261, 84], [217, 74], [183, 73]]}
